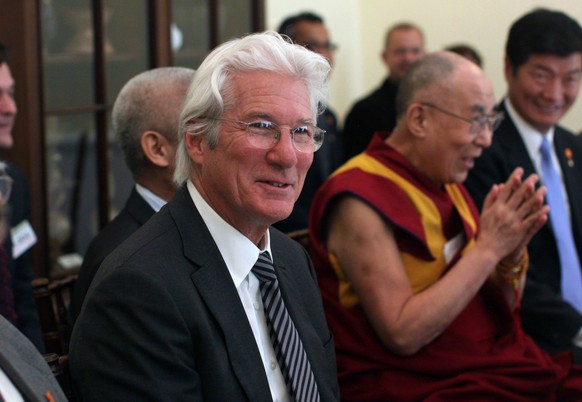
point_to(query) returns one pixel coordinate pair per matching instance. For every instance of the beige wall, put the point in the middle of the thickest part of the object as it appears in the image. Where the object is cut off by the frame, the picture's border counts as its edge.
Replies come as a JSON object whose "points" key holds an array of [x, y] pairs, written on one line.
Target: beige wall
{"points": [[358, 27]]}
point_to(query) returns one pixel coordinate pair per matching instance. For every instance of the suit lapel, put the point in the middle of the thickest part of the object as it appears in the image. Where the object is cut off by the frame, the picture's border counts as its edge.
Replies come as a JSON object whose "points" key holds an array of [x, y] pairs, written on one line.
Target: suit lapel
{"points": [[568, 153], [19, 375], [214, 284], [513, 146]]}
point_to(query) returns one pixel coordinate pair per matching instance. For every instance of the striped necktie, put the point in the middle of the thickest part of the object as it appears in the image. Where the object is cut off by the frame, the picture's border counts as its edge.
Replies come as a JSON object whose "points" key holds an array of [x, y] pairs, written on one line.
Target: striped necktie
{"points": [[569, 260], [284, 336]]}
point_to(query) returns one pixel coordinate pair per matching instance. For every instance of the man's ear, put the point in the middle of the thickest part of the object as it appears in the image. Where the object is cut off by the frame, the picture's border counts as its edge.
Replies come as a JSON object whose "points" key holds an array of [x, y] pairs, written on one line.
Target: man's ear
{"points": [[416, 119], [156, 148], [195, 146]]}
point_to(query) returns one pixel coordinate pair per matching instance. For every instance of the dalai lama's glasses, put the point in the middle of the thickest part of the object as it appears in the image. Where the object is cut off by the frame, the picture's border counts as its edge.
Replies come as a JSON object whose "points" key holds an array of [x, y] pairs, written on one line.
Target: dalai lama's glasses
{"points": [[478, 123]]}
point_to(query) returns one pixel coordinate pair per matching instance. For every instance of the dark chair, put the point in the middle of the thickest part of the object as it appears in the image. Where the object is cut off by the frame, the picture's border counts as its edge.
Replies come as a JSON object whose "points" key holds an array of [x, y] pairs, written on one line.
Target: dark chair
{"points": [[301, 236], [52, 300]]}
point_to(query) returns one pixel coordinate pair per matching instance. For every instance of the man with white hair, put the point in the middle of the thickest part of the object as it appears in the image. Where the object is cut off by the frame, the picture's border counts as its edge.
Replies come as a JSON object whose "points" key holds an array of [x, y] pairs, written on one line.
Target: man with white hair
{"points": [[206, 301]]}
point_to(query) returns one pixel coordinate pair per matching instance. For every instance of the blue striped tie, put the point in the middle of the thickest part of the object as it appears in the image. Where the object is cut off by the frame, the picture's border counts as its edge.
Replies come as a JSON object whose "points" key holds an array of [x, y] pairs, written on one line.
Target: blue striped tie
{"points": [[569, 260], [286, 342]]}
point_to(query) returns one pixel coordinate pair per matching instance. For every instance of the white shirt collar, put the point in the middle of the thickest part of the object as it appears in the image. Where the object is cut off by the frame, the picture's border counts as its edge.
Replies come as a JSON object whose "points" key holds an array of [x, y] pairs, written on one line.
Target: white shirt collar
{"points": [[238, 252], [531, 137], [153, 200]]}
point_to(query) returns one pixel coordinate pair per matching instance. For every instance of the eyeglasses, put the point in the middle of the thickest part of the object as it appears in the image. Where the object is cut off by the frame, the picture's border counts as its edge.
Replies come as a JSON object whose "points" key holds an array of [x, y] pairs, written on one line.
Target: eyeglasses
{"points": [[265, 134], [320, 46], [478, 123]]}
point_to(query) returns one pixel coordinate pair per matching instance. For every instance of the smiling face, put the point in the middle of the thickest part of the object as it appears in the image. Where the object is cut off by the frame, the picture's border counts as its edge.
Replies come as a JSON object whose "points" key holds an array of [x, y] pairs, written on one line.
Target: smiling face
{"points": [[7, 106], [451, 146], [253, 188], [403, 47], [544, 88]]}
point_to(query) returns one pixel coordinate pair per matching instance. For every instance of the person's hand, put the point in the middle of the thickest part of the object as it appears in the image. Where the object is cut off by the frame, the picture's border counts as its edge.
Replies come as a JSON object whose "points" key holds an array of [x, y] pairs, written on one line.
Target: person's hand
{"points": [[512, 213]]}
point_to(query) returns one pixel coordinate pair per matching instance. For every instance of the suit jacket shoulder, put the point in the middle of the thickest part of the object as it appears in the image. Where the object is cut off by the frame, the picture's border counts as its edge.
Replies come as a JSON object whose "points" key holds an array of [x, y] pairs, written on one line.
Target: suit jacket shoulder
{"points": [[25, 367], [135, 213]]}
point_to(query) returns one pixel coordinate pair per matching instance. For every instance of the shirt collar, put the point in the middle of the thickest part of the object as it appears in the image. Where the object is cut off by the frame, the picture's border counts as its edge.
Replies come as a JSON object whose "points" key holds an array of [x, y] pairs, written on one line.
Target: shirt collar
{"points": [[531, 137], [238, 252], [152, 199]]}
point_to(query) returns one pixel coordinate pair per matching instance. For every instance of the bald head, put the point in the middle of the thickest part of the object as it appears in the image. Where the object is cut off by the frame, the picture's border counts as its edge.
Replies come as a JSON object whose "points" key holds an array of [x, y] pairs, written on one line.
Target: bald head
{"points": [[446, 116], [431, 77], [150, 101]]}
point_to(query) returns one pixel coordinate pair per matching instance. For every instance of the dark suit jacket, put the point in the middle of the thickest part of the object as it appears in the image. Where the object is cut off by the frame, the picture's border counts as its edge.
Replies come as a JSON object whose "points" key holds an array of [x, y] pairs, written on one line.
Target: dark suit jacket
{"points": [[23, 364], [134, 214], [21, 268], [552, 322], [375, 112], [163, 321]]}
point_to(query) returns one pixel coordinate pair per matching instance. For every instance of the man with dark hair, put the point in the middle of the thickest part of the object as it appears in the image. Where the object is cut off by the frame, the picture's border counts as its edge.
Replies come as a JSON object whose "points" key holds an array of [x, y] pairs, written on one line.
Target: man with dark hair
{"points": [[543, 69], [468, 52], [16, 296], [145, 120], [403, 45], [308, 29], [420, 290]]}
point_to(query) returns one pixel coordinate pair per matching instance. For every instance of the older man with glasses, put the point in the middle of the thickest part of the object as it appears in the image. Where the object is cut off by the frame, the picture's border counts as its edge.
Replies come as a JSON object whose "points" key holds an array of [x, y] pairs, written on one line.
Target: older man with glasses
{"points": [[420, 291], [207, 302]]}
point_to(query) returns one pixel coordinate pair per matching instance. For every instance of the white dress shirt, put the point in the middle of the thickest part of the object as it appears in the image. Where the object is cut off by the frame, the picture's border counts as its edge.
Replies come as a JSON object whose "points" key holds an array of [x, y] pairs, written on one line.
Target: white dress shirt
{"points": [[240, 255], [8, 392], [533, 141]]}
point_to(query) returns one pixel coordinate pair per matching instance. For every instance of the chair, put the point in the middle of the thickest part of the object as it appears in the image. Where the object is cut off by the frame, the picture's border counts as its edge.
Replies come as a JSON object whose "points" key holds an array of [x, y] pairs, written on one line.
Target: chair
{"points": [[52, 300]]}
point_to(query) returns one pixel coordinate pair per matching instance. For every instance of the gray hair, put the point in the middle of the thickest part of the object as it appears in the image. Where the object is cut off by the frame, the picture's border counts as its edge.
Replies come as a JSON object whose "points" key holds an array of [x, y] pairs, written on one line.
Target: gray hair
{"points": [[430, 70], [150, 101], [210, 92]]}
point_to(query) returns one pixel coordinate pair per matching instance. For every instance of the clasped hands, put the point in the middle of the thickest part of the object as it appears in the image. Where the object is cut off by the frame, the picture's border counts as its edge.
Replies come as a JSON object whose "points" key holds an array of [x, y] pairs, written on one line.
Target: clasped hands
{"points": [[512, 213]]}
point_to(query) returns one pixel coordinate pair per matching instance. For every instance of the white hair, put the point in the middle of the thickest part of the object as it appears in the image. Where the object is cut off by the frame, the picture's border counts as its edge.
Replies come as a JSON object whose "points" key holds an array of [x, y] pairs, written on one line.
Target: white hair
{"points": [[209, 90]]}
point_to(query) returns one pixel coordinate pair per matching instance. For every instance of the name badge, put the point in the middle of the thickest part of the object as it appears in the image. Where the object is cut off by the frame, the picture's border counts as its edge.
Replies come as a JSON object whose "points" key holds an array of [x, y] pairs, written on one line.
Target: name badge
{"points": [[453, 246], [23, 238]]}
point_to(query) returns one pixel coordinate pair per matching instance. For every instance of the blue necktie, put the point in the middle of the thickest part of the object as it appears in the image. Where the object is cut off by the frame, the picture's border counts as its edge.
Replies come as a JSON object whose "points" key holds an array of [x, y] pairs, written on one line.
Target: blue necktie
{"points": [[286, 342], [569, 261]]}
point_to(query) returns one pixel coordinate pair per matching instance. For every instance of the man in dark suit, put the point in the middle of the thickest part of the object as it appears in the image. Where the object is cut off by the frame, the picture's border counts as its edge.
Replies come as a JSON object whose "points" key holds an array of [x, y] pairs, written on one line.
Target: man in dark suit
{"points": [[308, 29], [18, 305], [404, 45], [183, 309], [543, 68], [145, 120], [23, 372]]}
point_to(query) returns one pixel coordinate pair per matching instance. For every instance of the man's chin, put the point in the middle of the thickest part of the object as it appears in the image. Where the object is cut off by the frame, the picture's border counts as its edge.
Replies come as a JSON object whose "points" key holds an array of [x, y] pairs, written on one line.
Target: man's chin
{"points": [[6, 141]]}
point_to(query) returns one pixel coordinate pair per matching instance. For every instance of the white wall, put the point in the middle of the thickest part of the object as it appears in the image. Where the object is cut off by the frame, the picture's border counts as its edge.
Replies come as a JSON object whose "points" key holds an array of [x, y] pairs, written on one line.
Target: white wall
{"points": [[359, 26]]}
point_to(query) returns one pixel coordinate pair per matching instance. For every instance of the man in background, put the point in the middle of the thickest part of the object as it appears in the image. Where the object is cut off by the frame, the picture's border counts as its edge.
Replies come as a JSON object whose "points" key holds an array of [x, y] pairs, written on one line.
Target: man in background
{"points": [[16, 270], [543, 69], [403, 45], [145, 120], [309, 30]]}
